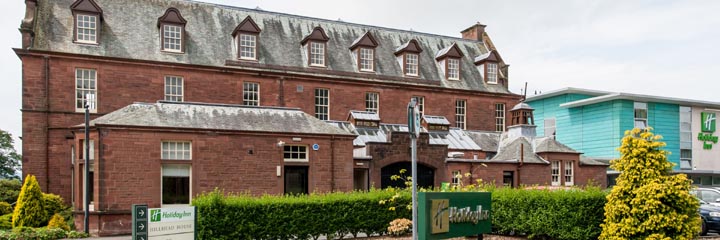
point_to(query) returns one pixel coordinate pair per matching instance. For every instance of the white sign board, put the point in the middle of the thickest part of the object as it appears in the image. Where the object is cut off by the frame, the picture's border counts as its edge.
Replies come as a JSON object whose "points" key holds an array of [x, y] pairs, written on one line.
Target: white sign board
{"points": [[172, 223]]}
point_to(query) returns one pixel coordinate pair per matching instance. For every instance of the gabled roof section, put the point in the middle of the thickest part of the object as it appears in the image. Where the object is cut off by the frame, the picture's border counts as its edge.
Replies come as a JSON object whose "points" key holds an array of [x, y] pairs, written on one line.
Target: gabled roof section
{"points": [[409, 46], [488, 141], [547, 144], [88, 6], [246, 26], [450, 51], [491, 56], [317, 34], [193, 116], [172, 15], [366, 40], [518, 150]]}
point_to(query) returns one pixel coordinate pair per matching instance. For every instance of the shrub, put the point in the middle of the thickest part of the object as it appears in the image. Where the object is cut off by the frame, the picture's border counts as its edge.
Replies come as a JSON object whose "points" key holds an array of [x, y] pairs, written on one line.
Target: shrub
{"points": [[282, 217], [9, 190], [53, 204], [29, 211], [6, 221], [648, 202], [58, 221], [5, 208], [23, 233], [400, 226]]}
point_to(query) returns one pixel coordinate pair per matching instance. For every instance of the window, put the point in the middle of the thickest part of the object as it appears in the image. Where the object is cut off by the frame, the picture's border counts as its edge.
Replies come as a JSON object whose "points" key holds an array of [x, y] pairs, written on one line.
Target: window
{"points": [[421, 104], [492, 73], [85, 86], [175, 184], [509, 178], [456, 177], [453, 68], [686, 159], [549, 127], [411, 64], [251, 94], [568, 173], [86, 28], [248, 47], [317, 54], [372, 102], [82, 148], [460, 114], [685, 128], [500, 117], [294, 153], [367, 59], [172, 38], [173, 88], [322, 103], [176, 150], [641, 114], [555, 173]]}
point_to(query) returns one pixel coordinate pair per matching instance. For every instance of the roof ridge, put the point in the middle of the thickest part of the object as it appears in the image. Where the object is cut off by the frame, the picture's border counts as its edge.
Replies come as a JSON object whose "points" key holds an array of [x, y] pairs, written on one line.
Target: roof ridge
{"points": [[220, 105]]}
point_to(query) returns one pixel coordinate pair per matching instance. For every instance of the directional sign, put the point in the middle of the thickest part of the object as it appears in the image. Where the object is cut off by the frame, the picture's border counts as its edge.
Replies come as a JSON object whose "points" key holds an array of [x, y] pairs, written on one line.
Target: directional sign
{"points": [[140, 222]]}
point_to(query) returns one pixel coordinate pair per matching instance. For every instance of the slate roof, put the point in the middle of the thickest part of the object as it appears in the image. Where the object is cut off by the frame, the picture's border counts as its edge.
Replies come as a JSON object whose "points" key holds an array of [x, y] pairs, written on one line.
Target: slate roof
{"points": [[510, 149], [548, 144], [129, 30], [184, 115], [455, 138], [594, 161], [488, 141]]}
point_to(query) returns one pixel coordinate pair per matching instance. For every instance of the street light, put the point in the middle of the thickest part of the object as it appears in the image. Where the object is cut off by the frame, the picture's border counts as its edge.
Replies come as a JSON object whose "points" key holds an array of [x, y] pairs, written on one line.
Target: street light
{"points": [[89, 104]]}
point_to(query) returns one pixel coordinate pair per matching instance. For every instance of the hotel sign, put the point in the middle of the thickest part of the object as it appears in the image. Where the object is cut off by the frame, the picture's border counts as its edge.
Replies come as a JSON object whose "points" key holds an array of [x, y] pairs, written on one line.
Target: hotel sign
{"points": [[453, 214], [707, 127], [164, 223]]}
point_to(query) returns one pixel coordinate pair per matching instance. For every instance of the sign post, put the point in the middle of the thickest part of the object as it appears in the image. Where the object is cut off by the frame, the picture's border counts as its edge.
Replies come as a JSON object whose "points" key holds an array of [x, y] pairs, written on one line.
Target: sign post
{"points": [[414, 130], [140, 222], [89, 104]]}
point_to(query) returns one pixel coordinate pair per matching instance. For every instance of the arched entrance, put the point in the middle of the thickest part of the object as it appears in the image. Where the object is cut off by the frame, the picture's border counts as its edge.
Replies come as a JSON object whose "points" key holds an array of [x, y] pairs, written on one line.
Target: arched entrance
{"points": [[426, 175]]}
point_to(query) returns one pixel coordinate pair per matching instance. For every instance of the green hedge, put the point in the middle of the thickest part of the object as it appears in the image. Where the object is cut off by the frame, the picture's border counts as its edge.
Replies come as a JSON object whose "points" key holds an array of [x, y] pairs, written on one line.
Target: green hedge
{"points": [[543, 214], [26, 233], [283, 217]]}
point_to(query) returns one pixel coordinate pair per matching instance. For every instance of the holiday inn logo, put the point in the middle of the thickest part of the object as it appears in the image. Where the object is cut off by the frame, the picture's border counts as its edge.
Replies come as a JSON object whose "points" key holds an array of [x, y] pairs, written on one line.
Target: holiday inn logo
{"points": [[155, 215], [707, 127], [708, 122]]}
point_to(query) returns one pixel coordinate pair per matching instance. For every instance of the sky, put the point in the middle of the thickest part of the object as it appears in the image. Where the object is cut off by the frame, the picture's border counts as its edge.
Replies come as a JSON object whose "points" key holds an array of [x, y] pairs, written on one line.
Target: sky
{"points": [[653, 47]]}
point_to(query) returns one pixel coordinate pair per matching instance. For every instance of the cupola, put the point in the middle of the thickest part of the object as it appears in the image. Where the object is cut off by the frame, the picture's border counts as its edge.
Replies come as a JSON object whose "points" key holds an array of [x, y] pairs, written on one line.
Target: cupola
{"points": [[522, 122]]}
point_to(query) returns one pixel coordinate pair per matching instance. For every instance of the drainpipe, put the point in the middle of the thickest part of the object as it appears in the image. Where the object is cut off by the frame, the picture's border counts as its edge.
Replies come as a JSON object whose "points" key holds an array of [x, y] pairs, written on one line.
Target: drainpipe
{"points": [[522, 160], [332, 163], [46, 63]]}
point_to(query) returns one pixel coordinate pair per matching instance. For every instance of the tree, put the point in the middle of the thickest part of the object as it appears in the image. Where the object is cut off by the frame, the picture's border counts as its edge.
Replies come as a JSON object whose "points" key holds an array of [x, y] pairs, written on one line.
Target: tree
{"points": [[29, 211], [9, 159], [648, 202]]}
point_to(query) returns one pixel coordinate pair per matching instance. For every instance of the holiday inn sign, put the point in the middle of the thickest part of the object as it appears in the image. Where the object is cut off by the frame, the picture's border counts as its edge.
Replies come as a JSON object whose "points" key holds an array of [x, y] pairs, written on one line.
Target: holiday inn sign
{"points": [[707, 127], [453, 214]]}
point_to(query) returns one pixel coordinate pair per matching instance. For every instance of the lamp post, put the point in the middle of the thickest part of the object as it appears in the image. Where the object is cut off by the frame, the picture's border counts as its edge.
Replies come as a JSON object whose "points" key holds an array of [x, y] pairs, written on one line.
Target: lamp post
{"points": [[89, 104], [414, 130]]}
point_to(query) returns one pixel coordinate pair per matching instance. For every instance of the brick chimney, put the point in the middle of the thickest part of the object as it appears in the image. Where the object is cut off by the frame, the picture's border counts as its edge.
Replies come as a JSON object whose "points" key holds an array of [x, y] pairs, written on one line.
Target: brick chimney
{"points": [[474, 32]]}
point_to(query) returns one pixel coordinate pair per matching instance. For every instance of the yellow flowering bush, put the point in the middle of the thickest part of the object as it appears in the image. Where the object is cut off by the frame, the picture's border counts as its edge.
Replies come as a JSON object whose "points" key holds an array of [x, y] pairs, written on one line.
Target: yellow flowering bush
{"points": [[648, 202]]}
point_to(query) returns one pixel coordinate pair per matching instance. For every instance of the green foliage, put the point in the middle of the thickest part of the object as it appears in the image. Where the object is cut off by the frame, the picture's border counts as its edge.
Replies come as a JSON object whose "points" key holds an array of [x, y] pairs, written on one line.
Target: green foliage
{"points": [[648, 202], [58, 221], [54, 204], [24, 233], [6, 221], [9, 190], [9, 159], [281, 217], [5, 208], [29, 211]]}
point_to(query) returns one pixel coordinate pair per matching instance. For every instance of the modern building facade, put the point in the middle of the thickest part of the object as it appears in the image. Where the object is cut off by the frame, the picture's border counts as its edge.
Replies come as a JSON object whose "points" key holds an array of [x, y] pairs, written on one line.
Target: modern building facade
{"points": [[594, 123], [191, 96]]}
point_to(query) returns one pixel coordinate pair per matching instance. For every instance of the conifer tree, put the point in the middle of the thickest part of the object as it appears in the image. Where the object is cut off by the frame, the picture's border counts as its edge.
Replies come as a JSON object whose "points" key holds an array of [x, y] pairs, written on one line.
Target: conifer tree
{"points": [[29, 211], [648, 202]]}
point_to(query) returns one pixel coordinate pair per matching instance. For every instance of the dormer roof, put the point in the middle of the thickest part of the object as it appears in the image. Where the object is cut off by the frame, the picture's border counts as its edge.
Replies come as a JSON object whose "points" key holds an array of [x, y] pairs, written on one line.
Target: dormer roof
{"points": [[172, 15], [409, 46], [317, 34], [246, 26], [491, 56], [449, 51], [366, 40], [88, 6]]}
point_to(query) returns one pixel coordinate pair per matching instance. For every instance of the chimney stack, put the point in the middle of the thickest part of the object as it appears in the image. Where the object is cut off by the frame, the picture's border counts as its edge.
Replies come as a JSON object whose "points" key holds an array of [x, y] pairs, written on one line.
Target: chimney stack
{"points": [[474, 32]]}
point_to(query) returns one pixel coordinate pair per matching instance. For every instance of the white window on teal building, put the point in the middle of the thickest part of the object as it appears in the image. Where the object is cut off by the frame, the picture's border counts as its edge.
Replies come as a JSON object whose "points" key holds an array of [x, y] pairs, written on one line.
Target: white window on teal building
{"points": [[641, 114]]}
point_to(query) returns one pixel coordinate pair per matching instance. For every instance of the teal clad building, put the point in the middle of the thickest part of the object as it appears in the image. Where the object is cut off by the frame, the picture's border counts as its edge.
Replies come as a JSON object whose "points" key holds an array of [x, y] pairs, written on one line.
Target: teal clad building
{"points": [[594, 122]]}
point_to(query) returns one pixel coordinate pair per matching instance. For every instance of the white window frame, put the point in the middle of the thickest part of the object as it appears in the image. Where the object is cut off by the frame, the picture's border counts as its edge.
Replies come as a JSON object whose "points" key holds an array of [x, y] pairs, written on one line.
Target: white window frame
{"points": [[686, 136], [167, 34], [190, 184], [569, 176], [555, 173], [412, 62], [499, 117], [317, 54], [456, 176], [492, 74], [685, 159], [175, 83], [366, 59], [322, 102], [89, 86], [372, 102], [247, 44], [639, 106], [251, 94], [453, 68], [421, 103], [299, 151], [169, 150], [460, 113], [83, 33]]}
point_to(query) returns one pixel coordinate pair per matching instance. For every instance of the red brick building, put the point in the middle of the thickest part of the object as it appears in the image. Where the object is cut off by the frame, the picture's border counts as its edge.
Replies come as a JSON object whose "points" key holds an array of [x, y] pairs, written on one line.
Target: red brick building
{"points": [[251, 90]]}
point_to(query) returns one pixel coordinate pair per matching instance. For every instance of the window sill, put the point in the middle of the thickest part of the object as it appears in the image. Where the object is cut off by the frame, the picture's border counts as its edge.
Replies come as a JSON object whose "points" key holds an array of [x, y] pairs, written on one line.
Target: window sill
{"points": [[367, 71], [92, 44], [82, 110], [317, 66], [172, 52], [453, 79], [493, 83], [248, 59]]}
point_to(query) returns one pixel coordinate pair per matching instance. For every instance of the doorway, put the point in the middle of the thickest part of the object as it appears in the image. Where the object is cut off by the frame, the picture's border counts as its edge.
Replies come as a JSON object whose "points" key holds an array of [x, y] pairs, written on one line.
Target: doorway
{"points": [[426, 175], [296, 180]]}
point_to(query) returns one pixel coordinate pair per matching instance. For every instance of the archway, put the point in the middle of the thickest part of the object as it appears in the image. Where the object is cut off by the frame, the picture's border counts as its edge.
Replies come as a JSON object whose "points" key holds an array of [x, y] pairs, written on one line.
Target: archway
{"points": [[426, 175]]}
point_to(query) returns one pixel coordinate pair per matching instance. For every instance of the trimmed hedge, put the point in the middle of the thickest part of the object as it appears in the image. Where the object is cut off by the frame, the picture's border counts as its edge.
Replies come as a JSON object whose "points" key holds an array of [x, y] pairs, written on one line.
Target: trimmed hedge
{"points": [[544, 214], [309, 216]]}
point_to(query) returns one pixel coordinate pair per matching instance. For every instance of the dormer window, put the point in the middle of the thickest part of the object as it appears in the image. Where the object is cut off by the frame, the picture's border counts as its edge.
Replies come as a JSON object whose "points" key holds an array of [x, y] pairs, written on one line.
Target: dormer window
{"points": [[172, 31], [363, 48], [492, 74], [449, 60], [246, 35], [409, 56], [487, 64], [316, 44], [87, 17]]}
